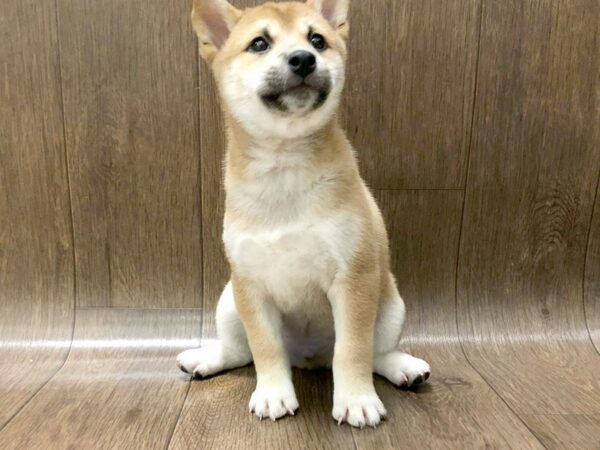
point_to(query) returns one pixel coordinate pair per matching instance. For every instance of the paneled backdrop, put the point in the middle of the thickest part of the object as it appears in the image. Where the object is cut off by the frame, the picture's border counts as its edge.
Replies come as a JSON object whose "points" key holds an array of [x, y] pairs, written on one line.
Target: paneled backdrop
{"points": [[477, 125]]}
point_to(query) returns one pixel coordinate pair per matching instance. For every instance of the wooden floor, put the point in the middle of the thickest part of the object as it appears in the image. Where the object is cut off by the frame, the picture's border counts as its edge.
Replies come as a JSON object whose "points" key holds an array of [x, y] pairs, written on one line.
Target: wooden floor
{"points": [[115, 385]]}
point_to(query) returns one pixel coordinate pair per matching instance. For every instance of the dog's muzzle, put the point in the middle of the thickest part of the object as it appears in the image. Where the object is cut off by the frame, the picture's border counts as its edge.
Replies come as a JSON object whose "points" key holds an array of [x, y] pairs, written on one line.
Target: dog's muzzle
{"points": [[300, 89]]}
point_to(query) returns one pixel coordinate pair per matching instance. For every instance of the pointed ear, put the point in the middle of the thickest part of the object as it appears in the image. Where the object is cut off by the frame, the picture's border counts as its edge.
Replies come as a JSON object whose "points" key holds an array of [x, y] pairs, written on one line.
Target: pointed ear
{"points": [[213, 21], [335, 11]]}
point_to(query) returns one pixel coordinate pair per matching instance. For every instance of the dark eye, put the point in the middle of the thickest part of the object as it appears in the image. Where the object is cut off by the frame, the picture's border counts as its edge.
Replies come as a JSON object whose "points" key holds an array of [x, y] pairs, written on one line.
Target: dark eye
{"points": [[258, 45], [318, 41]]}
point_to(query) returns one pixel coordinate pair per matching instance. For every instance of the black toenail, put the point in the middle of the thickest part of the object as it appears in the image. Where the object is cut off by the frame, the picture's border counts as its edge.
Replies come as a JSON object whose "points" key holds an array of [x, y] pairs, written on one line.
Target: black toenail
{"points": [[182, 368], [418, 380], [427, 375]]}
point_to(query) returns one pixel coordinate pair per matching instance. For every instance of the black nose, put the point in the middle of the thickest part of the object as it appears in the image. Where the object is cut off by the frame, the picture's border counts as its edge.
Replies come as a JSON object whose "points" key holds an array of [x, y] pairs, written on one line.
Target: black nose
{"points": [[302, 63]]}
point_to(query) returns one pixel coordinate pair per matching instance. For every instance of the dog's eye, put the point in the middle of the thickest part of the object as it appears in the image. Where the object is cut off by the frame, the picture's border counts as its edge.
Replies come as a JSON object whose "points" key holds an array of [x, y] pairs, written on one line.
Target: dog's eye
{"points": [[258, 45], [318, 41]]}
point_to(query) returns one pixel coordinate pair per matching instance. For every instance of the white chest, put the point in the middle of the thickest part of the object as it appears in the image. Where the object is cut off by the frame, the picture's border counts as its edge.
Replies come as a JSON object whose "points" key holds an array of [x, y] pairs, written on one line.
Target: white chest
{"points": [[283, 227], [295, 260]]}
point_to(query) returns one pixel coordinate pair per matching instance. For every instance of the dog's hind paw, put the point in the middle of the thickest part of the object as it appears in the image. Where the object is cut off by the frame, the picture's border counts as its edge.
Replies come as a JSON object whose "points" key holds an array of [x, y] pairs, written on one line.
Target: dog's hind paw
{"points": [[402, 369], [201, 362]]}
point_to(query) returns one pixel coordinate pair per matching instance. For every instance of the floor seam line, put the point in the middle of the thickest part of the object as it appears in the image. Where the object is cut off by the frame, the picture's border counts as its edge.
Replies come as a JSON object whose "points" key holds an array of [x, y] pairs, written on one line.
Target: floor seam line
{"points": [[354, 439], [35, 394], [172, 433], [585, 260], [510, 408]]}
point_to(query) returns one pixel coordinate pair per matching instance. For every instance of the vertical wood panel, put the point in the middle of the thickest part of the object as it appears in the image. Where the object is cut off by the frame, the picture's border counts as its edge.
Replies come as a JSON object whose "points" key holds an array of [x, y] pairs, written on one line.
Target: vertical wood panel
{"points": [[36, 259], [409, 97], [130, 118], [533, 171], [423, 228]]}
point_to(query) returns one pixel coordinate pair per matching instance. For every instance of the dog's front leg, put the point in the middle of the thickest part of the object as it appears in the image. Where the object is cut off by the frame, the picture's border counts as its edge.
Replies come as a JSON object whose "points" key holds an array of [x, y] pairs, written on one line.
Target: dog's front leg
{"points": [[354, 304], [274, 396]]}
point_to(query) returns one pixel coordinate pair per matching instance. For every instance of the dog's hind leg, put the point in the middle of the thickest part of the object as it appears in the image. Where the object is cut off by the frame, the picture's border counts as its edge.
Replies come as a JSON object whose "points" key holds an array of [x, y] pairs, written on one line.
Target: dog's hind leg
{"points": [[400, 368], [229, 351]]}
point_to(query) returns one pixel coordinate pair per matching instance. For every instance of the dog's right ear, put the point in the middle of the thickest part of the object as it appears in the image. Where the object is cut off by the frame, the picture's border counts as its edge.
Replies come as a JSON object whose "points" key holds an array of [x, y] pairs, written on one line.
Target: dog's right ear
{"points": [[213, 21], [335, 11]]}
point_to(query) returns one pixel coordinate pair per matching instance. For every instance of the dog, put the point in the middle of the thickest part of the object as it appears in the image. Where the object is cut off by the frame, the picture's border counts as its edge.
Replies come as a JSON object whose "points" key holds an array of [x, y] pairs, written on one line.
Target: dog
{"points": [[310, 280]]}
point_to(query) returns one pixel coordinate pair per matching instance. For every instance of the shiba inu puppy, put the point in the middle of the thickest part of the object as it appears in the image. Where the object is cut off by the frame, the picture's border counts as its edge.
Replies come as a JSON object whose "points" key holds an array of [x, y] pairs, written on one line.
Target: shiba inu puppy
{"points": [[310, 278]]}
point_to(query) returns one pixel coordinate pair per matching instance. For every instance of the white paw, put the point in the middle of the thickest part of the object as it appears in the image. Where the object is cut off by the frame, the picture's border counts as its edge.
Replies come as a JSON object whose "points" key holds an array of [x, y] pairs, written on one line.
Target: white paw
{"points": [[201, 362], [416, 370], [402, 369], [358, 410], [274, 402]]}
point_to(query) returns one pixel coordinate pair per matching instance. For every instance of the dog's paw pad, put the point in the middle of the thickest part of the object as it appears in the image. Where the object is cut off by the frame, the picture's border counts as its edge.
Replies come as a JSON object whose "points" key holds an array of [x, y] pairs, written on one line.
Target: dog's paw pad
{"points": [[421, 378], [417, 371]]}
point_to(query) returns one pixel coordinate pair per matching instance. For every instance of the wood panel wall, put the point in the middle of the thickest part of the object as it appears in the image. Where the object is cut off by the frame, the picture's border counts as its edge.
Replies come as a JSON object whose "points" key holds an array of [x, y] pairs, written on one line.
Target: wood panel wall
{"points": [[132, 144], [476, 123], [36, 247], [532, 179]]}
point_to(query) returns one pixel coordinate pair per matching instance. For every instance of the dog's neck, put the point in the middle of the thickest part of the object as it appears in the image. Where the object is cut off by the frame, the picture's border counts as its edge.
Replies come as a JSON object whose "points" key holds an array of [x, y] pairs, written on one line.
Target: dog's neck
{"points": [[250, 155]]}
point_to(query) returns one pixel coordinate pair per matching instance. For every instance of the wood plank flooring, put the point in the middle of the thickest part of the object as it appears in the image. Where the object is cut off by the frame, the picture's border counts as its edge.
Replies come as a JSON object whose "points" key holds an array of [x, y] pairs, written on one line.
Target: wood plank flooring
{"points": [[119, 388]]}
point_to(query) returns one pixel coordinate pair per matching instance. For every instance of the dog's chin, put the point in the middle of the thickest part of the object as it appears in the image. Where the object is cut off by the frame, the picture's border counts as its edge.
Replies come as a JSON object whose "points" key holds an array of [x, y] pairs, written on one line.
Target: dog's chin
{"points": [[301, 99]]}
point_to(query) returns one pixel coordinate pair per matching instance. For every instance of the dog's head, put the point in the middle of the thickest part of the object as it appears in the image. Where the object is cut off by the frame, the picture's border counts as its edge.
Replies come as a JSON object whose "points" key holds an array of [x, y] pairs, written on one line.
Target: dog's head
{"points": [[279, 66]]}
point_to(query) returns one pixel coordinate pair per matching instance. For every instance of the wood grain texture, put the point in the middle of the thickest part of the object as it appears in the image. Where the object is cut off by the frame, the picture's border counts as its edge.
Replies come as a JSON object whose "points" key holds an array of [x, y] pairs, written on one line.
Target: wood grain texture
{"points": [[409, 97], [215, 416], [423, 229], [592, 277], [132, 142], [456, 408], [522, 372], [532, 177], [119, 387], [558, 431], [36, 253]]}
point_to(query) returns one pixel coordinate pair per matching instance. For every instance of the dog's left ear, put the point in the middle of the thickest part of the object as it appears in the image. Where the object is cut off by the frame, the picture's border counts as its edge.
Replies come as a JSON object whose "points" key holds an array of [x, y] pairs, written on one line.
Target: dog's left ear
{"points": [[335, 11]]}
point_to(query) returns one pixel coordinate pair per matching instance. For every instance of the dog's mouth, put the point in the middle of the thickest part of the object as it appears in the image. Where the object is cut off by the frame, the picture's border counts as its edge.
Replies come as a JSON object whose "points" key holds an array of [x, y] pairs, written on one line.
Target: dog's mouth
{"points": [[296, 93]]}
